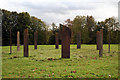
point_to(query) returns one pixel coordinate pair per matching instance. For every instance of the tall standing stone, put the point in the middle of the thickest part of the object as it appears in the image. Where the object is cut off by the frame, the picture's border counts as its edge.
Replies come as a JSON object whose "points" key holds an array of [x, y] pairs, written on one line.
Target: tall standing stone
{"points": [[101, 43], [97, 39], [18, 40], [79, 40], [35, 40], [56, 41], [26, 53], [65, 33]]}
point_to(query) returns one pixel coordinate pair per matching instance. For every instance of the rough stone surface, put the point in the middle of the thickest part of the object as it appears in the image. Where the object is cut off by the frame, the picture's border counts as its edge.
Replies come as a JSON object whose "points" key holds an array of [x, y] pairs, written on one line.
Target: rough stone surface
{"points": [[97, 39], [65, 39], [26, 53], [101, 43], [18, 40]]}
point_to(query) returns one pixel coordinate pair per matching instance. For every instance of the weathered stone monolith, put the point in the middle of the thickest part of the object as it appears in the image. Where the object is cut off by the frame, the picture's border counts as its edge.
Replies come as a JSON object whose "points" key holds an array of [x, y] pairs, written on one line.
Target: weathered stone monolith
{"points": [[101, 43], [79, 40], [35, 40], [65, 33], [18, 40], [97, 39], [26, 51], [56, 41]]}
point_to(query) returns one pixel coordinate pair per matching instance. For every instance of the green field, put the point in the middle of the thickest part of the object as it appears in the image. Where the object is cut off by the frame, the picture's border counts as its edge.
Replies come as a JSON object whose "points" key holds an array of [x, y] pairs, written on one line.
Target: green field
{"points": [[46, 62]]}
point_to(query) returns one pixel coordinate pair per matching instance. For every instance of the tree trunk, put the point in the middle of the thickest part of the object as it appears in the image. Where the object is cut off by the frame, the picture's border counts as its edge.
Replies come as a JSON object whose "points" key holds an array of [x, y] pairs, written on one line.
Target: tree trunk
{"points": [[79, 40], [109, 43], [35, 40], [10, 42], [57, 41], [18, 41]]}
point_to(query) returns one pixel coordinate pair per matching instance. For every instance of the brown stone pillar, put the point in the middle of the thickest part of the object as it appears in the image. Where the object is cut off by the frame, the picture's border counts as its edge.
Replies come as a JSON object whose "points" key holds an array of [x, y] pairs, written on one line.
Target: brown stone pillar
{"points": [[57, 41], [26, 43], [79, 40], [101, 44], [65, 33], [35, 40], [18, 40]]}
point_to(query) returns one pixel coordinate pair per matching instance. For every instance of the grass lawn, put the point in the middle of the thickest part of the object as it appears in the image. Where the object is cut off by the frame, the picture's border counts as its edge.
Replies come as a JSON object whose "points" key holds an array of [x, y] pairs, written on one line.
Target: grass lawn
{"points": [[46, 62]]}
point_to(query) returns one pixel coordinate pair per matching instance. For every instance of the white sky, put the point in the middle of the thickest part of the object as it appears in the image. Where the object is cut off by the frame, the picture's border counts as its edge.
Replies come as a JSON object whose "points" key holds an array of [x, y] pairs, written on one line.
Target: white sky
{"points": [[59, 10]]}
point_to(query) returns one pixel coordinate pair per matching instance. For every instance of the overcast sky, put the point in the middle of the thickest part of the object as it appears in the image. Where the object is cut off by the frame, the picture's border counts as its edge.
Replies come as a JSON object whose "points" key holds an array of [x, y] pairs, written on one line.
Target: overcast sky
{"points": [[59, 10]]}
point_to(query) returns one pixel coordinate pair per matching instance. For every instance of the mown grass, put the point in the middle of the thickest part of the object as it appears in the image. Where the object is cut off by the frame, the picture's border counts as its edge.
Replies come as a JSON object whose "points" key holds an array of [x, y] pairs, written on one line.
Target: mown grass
{"points": [[46, 62]]}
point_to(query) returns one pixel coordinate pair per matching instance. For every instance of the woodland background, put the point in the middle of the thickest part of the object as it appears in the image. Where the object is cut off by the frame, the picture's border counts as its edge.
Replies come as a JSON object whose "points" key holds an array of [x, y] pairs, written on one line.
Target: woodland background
{"points": [[46, 34]]}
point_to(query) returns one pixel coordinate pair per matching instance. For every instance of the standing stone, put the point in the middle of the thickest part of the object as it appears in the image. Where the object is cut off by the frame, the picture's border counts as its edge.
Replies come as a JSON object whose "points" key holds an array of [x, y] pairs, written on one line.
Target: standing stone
{"points": [[101, 44], [35, 40], [97, 39], [18, 40], [65, 39], [78, 40], [26, 43], [57, 41]]}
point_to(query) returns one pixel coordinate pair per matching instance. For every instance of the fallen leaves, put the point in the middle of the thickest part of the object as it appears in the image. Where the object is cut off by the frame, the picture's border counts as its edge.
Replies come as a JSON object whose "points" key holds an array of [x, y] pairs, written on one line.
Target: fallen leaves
{"points": [[69, 76], [73, 71], [51, 59], [65, 70]]}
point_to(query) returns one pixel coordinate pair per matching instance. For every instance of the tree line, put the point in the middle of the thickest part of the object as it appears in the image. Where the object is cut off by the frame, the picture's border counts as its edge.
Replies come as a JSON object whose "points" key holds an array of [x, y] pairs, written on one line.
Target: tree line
{"points": [[13, 21]]}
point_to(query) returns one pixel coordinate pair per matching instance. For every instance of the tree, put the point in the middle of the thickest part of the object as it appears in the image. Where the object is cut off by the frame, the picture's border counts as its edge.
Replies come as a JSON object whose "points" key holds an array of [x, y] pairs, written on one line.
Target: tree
{"points": [[112, 26], [52, 33], [79, 27], [8, 24], [91, 26]]}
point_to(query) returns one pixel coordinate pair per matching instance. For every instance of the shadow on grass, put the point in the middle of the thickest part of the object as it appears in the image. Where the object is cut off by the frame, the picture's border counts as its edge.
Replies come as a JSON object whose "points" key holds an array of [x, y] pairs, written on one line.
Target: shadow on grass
{"points": [[51, 59]]}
